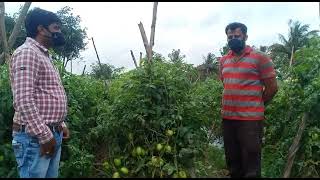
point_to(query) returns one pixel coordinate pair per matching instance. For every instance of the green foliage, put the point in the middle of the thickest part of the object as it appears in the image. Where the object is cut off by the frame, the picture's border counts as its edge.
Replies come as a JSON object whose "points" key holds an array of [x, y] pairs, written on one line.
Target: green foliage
{"points": [[146, 102], [160, 120], [84, 98], [298, 93], [224, 50], [7, 159], [74, 34], [76, 37], [176, 57], [210, 67], [105, 72], [298, 37]]}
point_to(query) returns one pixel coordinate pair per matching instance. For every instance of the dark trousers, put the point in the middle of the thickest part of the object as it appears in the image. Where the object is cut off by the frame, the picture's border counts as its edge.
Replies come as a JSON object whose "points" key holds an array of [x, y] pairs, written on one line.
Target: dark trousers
{"points": [[242, 144]]}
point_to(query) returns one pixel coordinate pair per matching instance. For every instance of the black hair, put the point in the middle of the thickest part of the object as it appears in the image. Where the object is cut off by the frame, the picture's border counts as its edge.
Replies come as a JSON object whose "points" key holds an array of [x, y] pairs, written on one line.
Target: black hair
{"points": [[36, 17], [235, 25]]}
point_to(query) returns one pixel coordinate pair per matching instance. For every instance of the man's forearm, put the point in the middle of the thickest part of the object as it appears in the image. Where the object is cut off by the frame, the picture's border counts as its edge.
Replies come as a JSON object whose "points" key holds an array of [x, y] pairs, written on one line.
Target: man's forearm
{"points": [[268, 94], [270, 89]]}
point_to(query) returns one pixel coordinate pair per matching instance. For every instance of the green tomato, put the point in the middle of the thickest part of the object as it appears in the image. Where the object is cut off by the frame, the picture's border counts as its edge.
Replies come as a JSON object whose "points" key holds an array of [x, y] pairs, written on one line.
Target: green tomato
{"points": [[139, 150], [116, 175], [133, 153], [154, 160], [130, 136], [160, 161], [117, 162], [143, 152], [159, 147], [124, 170], [182, 174], [167, 148], [106, 165], [169, 132]]}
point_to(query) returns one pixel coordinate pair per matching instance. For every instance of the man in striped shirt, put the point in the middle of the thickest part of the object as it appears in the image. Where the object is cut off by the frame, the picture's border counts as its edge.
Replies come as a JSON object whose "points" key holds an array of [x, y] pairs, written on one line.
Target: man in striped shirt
{"points": [[39, 98], [249, 82]]}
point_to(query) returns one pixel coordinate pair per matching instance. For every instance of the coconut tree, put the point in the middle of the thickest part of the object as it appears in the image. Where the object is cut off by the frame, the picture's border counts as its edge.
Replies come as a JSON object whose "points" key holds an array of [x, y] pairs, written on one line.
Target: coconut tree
{"points": [[298, 37]]}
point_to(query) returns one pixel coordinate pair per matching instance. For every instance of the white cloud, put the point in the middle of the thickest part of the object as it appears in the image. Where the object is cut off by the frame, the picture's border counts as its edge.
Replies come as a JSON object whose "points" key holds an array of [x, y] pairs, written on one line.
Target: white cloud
{"points": [[194, 27]]}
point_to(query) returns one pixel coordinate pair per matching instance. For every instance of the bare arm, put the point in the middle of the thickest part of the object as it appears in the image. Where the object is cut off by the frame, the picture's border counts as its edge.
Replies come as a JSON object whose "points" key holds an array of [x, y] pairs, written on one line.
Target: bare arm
{"points": [[270, 89]]}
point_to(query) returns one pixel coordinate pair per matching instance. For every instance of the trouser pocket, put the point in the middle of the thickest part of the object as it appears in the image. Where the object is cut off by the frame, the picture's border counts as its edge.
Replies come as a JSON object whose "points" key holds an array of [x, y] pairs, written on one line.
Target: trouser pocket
{"points": [[18, 152]]}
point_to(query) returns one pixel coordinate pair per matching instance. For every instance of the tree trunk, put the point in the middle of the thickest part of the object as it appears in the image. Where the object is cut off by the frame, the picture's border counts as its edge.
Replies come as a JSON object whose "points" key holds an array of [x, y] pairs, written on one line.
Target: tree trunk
{"points": [[3, 35], [295, 146], [291, 58], [17, 27], [16, 30]]}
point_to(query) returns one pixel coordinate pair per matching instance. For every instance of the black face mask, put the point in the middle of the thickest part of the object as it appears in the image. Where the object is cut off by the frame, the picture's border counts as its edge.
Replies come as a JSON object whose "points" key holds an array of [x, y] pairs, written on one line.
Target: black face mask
{"points": [[57, 38], [236, 45]]}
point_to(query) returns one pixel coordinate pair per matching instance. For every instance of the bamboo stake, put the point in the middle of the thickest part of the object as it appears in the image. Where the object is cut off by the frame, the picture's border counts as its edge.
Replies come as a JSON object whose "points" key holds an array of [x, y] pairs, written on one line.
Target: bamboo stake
{"points": [[84, 69], [99, 62], [134, 59], [145, 41], [153, 25]]}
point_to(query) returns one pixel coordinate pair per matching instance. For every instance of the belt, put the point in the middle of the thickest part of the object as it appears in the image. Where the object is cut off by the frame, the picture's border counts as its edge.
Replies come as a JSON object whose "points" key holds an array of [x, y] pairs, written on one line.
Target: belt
{"points": [[21, 128]]}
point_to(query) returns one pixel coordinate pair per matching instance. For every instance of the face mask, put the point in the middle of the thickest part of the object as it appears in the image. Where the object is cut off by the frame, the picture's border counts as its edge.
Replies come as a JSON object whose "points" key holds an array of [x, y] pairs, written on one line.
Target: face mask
{"points": [[57, 38], [236, 45]]}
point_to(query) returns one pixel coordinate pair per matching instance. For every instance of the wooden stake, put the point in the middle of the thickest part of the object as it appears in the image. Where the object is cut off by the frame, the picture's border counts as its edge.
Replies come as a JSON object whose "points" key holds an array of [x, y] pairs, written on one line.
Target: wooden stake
{"points": [[140, 56], [295, 146], [99, 62], [134, 59], [149, 46], [84, 69], [145, 41], [153, 25]]}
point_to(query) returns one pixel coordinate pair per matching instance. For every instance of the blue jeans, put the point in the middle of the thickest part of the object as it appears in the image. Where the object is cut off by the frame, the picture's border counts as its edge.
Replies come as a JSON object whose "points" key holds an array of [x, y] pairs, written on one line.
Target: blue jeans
{"points": [[30, 163]]}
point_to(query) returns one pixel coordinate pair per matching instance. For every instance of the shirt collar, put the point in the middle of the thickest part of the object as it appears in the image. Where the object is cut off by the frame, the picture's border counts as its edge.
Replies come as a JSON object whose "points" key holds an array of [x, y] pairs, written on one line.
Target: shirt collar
{"points": [[247, 50], [34, 42]]}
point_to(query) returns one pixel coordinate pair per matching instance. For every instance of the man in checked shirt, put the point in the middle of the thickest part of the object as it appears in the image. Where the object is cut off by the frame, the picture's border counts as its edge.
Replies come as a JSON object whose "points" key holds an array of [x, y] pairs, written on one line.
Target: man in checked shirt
{"points": [[40, 101]]}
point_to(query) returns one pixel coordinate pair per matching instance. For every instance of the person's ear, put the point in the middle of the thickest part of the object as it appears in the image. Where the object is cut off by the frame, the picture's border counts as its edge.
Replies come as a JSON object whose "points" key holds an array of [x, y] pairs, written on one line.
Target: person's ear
{"points": [[246, 37], [40, 29]]}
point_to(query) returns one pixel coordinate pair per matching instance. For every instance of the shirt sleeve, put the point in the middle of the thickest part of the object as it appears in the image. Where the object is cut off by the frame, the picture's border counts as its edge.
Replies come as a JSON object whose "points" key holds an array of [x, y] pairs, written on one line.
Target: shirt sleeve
{"points": [[25, 68], [266, 68]]}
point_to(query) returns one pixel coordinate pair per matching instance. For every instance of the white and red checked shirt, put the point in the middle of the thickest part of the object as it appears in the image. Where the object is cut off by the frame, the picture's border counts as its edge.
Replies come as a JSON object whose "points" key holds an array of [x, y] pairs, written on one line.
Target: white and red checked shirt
{"points": [[39, 98]]}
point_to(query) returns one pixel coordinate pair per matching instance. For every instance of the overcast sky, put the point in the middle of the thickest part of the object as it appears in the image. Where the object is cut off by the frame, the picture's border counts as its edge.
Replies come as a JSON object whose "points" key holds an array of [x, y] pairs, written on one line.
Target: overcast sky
{"points": [[196, 28]]}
